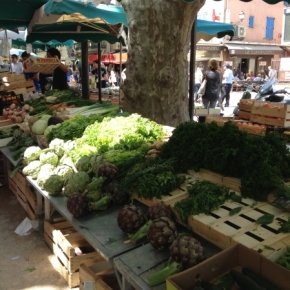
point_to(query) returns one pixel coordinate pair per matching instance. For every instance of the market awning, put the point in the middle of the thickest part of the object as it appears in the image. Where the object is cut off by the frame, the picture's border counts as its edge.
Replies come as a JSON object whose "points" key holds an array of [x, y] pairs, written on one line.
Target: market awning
{"points": [[18, 13], [246, 49], [107, 58], [46, 25], [209, 29]]}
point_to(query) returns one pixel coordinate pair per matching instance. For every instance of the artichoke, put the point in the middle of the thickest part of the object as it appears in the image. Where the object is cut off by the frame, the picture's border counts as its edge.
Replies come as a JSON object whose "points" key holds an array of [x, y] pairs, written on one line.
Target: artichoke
{"points": [[130, 218], [162, 232], [53, 184], [77, 182], [159, 210], [78, 205]]}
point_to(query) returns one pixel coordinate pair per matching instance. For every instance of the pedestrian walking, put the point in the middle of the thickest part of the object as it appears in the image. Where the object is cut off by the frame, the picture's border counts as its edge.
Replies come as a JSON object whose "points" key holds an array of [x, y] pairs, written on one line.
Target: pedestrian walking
{"points": [[227, 82]]}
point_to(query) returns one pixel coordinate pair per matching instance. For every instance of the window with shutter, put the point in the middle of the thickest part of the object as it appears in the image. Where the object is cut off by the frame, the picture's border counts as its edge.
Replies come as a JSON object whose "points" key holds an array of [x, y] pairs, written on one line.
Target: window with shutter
{"points": [[251, 21], [269, 28]]}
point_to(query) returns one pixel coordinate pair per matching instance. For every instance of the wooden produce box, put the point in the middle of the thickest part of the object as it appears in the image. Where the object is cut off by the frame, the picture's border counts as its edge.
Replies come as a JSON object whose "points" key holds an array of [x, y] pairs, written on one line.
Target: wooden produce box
{"points": [[71, 250], [229, 182], [99, 276], [272, 114], [235, 257], [219, 120], [250, 127], [41, 65], [170, 199], [199, 111], [24, 193], [245, 108], [225, 229]]}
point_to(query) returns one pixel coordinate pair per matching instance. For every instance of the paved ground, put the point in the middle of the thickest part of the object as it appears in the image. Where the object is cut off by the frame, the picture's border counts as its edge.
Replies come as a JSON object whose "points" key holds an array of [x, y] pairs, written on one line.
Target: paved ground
{"points": [[26, 261]]}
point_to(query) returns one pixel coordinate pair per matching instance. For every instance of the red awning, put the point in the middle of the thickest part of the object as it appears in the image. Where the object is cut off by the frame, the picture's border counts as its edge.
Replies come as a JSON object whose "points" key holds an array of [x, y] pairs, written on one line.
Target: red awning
{"points": [[113, 58]]}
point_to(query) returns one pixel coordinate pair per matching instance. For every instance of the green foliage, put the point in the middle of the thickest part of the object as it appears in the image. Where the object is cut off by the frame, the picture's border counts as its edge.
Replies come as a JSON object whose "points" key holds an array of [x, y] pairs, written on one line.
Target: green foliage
{"points": [[204, 197], [262, 163]]}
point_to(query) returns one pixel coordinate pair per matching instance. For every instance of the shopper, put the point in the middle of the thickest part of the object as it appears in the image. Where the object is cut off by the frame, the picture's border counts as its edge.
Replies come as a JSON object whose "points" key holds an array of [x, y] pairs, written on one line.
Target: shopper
{"points": [[228, 78], [198, 77], [16, 65], [213, 85], [59, 81], [30, 75]]}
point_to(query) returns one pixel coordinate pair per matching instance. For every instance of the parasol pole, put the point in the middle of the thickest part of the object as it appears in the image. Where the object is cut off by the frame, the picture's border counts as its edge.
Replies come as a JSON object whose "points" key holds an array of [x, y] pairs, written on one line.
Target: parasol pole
{"points": [[85, 70], [120, 72], [191, 70], [99, 72]]}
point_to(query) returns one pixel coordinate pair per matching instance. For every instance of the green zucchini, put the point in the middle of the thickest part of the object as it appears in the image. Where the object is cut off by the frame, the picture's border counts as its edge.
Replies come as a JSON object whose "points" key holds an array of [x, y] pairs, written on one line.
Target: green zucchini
{"points": [[259, 280], [244, 282]]}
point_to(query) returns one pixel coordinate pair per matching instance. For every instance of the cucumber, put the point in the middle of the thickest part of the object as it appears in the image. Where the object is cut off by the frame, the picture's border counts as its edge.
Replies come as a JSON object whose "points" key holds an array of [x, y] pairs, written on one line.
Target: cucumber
{"points": [[259, 280], [244, 282]]}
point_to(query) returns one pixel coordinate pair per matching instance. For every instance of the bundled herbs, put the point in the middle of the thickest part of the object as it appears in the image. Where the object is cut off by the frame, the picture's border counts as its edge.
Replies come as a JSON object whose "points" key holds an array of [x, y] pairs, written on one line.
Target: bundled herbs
{"points": [[152, 179], [204, 197], [284, 260], [262, 163]]}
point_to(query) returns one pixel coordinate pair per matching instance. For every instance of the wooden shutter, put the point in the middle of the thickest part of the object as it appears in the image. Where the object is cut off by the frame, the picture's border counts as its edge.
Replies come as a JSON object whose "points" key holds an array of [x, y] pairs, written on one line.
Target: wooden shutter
{"points": [[269, 27]]}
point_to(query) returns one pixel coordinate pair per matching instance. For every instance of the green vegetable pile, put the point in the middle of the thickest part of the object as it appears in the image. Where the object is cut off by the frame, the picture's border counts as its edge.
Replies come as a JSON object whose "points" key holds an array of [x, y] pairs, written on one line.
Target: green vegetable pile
{"points": [[284, 260], [204, 197], [262, 163]]}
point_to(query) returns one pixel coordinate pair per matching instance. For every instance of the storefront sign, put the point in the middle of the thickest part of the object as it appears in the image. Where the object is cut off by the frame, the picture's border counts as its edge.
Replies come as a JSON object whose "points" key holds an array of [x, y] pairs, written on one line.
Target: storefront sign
{"points": [[262, 63]]}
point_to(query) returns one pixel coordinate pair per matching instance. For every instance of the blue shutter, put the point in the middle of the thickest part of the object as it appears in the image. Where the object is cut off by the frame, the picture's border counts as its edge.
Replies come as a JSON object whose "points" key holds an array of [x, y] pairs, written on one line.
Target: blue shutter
{"points": [[269, 28], [251, 21]]}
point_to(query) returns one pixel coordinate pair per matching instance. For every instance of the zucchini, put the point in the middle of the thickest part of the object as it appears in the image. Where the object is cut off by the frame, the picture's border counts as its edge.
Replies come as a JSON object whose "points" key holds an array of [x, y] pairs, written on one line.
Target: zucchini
{"points": [[245, 282], [259, 280]]}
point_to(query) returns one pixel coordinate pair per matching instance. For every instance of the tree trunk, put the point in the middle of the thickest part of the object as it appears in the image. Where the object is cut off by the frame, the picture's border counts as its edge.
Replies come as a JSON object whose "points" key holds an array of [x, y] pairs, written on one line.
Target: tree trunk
{"points": [[156, 84]]}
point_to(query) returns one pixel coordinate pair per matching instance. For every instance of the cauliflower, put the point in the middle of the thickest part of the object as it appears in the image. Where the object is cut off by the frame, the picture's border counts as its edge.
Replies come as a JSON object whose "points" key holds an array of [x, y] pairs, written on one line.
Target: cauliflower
{"points": [[31, 153], [64, 171], [48, 158], [32, 169], [77, 182], [45, 172], [57, 145], [53, 184]]}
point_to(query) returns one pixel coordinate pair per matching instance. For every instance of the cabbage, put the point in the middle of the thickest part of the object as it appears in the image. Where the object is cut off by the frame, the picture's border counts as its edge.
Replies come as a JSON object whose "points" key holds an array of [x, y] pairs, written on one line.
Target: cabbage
{"points": [[39, 127]]}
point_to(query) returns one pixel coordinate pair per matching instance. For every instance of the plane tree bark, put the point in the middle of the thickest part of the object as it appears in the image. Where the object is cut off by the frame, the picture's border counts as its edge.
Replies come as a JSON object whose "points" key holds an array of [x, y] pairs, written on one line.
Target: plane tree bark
{"points": [[156, 84]]}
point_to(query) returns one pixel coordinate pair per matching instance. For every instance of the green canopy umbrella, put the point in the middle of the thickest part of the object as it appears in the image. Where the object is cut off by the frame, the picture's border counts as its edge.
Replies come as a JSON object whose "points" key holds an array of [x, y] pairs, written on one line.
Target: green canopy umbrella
{"points": [[18, 13]]}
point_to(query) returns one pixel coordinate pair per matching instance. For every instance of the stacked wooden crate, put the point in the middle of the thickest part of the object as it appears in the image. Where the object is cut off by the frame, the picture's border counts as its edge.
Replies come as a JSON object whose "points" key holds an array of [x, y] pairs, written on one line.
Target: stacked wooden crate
{"points": [[245, 108], [272, 114], [24, 192], [16, 83], [71, 250]]}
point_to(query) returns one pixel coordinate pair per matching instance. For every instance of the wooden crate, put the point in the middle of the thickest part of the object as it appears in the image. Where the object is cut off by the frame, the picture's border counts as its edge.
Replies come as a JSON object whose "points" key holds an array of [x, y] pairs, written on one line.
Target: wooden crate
{"points": [[24, 193], [227, 181], [273, 114], [170, 199], [71, 250], [99, 276], [11, 86], [41, 65], [224, 230], [250, 127], [246, 104], [244, 115]]}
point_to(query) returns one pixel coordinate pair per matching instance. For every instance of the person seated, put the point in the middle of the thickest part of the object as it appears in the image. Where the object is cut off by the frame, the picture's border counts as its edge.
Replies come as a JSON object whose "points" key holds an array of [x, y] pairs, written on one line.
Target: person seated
{"points": [[258, 78]]}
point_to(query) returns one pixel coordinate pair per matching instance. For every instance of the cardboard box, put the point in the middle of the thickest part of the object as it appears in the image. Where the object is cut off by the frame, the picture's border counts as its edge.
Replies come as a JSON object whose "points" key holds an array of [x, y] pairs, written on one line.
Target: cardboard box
{"points": [[220, 264]]}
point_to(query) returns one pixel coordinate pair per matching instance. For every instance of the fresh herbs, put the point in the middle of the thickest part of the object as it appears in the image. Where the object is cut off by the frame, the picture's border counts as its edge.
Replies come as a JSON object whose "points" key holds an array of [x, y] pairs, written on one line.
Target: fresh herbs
{"points": [[204, 198], [284, 260], [262, 163], [285, 226]]}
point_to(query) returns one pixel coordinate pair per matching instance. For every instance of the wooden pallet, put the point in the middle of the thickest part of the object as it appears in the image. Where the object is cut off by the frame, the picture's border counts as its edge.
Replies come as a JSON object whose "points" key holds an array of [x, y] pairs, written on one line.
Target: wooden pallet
{"points": [[66, 243], [170, 199], [224, 230]]}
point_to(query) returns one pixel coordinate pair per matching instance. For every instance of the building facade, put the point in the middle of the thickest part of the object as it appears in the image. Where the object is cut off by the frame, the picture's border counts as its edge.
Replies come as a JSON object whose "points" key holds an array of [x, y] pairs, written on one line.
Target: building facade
{"points": [[261, 38]]}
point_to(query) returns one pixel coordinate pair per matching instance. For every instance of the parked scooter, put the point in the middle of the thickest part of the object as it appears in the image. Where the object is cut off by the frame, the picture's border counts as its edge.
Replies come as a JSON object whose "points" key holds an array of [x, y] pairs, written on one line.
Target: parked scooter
{"points": [[267, 93]]}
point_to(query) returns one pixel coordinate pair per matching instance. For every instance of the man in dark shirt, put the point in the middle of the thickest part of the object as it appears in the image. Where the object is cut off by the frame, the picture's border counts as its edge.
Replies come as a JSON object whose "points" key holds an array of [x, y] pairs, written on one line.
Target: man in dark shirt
{"points": [[60, 73]]}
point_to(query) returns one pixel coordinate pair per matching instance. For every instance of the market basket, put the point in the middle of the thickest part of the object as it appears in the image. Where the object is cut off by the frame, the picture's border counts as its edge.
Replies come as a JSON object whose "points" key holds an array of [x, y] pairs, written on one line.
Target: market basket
{"points": [[41, 65]]}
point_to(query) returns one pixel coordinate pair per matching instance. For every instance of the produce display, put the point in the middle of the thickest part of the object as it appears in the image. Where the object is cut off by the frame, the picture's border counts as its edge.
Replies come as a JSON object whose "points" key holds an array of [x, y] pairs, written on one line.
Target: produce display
{"points": [[261, 162], [16, 113]]}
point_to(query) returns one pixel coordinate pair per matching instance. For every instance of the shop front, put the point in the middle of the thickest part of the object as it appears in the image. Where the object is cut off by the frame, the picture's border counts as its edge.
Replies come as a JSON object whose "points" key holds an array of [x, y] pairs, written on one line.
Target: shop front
{"points": [[204, 52], [252, 58]]}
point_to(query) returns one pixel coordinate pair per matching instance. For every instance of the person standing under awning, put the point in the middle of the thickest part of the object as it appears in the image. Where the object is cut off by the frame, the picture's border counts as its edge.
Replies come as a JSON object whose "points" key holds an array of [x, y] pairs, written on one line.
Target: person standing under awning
{"points": [[16, 66], [59, 81]]}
